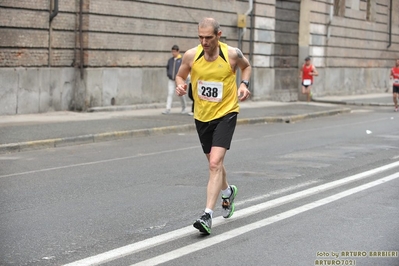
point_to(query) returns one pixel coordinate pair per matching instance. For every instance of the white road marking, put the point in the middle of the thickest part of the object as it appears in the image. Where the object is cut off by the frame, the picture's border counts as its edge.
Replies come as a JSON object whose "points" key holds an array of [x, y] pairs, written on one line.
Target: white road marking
{"points": [[177, 253], [186, 231], [105, 161], [276, 192], [98, 162]]}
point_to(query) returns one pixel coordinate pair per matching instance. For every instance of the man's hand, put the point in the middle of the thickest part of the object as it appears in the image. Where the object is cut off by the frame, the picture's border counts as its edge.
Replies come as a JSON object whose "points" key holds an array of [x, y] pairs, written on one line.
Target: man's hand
{"points": [[181, 89], [243, 92]]}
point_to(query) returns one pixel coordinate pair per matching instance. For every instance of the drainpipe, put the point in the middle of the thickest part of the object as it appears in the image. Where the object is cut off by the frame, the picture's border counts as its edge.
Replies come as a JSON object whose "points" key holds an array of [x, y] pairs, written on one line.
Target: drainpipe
{"points": [[390, 24], [251, 3], [251, 37], [53, 14], [242, 32], [81, 38], [251, 46], [55, 11], [330, 20]]}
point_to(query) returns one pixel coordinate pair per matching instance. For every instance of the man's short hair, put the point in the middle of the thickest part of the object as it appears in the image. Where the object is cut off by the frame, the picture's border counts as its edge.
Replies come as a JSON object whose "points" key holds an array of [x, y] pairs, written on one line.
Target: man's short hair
{"points": [[205, 22], [175, 47], [307, 58]]}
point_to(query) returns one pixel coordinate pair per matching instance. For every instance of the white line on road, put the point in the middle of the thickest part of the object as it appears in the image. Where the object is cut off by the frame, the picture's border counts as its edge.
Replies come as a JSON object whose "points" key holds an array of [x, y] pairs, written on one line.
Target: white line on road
{"points": [[277, 192], [177, 253], [140, 155], [180, 233]]}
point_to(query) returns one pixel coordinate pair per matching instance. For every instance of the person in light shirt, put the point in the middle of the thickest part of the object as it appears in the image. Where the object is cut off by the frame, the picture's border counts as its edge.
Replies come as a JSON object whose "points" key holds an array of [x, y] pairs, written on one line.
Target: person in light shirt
{"points": [[171, 70]]}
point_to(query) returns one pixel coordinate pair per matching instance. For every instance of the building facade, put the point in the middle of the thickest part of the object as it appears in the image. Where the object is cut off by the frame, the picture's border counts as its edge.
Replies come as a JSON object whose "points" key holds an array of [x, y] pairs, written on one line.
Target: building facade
{"points": [[74, 55]]}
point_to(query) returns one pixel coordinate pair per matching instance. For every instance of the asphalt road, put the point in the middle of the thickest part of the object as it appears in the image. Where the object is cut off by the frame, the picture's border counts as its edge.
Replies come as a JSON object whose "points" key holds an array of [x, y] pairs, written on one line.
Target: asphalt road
{"points": [[307, 191]]}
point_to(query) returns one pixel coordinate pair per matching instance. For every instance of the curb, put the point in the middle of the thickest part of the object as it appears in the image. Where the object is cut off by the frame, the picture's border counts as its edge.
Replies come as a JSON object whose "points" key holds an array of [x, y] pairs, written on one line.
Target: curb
{"points": [[292, 118], [127, 107], [92, 138], [353, 103]]}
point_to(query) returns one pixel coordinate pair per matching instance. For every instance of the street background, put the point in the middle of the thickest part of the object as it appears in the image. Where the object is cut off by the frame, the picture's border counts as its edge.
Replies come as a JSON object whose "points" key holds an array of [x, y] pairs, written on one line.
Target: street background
{"points": [[309, 185], [55, 129]]}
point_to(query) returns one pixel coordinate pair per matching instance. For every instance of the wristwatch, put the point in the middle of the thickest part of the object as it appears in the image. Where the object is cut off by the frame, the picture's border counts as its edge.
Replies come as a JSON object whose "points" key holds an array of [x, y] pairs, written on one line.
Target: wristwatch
{"points": [[246, 82]]}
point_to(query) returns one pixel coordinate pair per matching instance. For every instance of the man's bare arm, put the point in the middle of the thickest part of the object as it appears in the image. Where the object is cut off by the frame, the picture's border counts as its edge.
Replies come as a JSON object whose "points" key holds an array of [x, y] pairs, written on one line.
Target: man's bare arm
{"points": [[185, 67], [184, 71], [314, 71], [239, 60]]}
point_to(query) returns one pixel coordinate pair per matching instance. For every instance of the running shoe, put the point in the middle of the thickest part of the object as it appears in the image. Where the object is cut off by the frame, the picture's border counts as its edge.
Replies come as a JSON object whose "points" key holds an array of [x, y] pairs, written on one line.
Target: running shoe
{"points": [[228, 203], [396, 109], [204, 223]]}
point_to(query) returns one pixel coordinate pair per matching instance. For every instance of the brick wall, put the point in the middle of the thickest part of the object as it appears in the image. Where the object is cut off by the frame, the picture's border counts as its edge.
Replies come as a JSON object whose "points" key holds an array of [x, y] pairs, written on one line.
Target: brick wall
{"points": [[116, 41], [28, 39], [141, 33], [24, 31], [115, 33]]}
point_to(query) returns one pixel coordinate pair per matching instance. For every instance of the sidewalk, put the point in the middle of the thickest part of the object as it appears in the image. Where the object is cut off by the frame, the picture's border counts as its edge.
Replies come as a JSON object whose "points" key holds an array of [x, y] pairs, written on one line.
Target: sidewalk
{"points": [[56, 129]]}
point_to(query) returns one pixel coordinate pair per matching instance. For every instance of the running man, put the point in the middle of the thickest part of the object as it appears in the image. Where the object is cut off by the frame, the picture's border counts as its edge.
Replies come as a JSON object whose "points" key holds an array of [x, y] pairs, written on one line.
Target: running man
{"points": [[395, 76], [212, 65], [308, 71]]}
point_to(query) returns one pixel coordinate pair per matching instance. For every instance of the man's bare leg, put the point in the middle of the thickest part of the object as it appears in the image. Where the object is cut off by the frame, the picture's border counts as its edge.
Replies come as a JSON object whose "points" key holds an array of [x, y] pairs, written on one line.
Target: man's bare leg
{"points": [[217, 176], [306, 91]]}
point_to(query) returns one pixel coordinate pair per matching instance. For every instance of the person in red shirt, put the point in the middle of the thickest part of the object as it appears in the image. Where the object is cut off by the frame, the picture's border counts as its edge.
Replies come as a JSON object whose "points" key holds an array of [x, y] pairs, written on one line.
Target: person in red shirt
{"points": [[308, 71], [395, 89]]}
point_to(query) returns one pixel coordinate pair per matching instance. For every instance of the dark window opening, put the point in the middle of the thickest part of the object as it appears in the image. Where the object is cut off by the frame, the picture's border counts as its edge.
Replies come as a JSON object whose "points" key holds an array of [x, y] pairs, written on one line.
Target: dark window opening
{"points": [[339, 8]]}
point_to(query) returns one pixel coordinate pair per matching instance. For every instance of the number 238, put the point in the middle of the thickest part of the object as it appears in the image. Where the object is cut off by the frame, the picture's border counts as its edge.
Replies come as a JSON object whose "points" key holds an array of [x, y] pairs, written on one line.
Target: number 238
{"points": [[209, 92]]}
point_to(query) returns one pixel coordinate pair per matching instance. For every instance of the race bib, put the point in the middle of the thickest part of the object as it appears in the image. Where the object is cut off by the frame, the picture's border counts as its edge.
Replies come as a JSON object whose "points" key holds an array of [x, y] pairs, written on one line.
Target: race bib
{"points": [[210, 90], [307, 82], [396, 81]]}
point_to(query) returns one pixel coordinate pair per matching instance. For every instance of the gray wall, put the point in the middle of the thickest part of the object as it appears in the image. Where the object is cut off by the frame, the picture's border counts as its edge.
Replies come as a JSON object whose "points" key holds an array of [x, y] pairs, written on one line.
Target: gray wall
{"points": [[38, 90]]}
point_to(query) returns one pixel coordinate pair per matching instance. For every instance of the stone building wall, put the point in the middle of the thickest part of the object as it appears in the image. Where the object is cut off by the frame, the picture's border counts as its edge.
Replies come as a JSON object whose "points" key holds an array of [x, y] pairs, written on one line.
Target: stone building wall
{"points": [[350, 47], [103, 52]]}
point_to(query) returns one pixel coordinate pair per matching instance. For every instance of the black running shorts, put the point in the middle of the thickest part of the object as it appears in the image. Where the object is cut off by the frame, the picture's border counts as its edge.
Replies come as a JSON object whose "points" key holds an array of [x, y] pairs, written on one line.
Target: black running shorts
{"points": [[306, 86], [395, 89], [218, 132]]}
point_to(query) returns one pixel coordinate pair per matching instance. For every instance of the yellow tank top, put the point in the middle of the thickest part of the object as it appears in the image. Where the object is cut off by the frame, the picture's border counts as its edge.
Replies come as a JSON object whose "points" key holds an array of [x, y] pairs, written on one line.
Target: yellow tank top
{"points": [[214, 86]]}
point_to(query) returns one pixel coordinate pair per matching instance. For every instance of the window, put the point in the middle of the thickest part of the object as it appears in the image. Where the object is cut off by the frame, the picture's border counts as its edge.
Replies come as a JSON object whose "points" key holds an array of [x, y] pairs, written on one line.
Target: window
{"points": [[339, 8], [368, 10]]}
